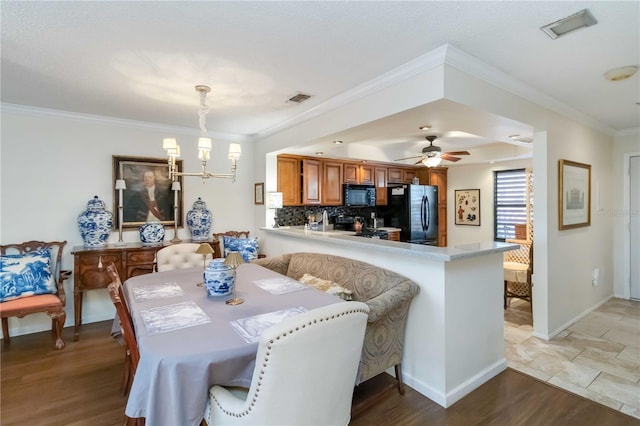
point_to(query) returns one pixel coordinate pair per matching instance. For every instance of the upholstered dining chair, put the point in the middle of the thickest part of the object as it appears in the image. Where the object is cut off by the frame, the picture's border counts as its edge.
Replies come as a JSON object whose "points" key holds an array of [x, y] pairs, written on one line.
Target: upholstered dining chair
{"points": [[178, 256], [518, 281], [305, 372], [132, 355], [32, 282]]}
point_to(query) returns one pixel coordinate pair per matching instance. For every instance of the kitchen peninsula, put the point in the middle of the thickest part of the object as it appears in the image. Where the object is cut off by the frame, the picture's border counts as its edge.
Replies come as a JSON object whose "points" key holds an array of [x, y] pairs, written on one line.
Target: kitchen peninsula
{"points": [[454, 340]]}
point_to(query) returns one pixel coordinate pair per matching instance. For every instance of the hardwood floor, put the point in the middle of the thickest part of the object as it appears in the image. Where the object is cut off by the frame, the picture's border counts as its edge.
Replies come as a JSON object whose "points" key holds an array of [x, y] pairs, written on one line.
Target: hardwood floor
{"points": [[80, 385]]}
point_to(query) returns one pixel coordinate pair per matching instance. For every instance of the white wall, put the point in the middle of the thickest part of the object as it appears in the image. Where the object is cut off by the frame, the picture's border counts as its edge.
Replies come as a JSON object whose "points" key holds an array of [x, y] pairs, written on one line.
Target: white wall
{"points": [[52, 164], [475, 176], [625, 143]]}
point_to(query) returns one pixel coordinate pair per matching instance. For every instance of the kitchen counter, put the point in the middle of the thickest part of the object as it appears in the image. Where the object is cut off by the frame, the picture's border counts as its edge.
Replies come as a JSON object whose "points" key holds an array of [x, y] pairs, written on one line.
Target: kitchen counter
{"points": [[454, 339], [443, 254]]}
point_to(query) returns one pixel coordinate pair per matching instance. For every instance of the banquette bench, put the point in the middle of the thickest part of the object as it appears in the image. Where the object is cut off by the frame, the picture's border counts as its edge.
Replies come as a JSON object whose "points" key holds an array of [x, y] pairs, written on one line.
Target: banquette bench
{"points": [[387, 294]]}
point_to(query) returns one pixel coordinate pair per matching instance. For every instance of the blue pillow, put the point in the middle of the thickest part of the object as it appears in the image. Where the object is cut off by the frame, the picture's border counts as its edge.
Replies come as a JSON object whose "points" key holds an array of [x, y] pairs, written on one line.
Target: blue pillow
{"points": [[247, 247], [27, 274]]}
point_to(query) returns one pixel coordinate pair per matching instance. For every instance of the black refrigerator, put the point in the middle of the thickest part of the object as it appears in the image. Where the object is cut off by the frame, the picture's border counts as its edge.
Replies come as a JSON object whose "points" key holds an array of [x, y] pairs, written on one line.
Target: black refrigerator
{"points": [[414, 209]]}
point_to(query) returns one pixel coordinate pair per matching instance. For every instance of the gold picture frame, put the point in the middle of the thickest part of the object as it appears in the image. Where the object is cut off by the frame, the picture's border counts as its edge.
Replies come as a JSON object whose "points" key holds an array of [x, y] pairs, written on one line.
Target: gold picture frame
{"points": [[135, 210], [258, 193], [574, 194]]}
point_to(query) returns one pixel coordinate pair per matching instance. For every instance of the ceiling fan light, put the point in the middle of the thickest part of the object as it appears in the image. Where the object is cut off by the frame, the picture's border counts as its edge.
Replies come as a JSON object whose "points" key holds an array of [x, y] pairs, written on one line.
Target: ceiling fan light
{"points": [[431, 161]]}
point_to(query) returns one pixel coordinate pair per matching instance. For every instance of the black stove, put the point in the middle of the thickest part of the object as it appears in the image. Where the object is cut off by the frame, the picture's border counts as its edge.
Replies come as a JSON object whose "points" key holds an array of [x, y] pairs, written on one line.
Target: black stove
{"points": [[373, 233]]}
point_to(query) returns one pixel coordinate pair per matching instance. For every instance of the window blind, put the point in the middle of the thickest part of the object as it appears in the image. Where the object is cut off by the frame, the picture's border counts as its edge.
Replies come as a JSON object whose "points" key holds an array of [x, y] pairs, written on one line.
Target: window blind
{"points": [[510, 202]]}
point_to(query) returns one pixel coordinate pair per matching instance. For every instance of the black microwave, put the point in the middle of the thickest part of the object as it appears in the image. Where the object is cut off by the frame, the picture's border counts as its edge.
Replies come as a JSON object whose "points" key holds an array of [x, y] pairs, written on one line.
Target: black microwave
{"points": [[359, 195]]}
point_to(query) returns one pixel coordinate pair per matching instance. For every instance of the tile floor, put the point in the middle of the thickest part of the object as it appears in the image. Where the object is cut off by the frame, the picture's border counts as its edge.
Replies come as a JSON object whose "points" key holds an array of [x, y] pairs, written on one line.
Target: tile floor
{"points": [[598, 357]]}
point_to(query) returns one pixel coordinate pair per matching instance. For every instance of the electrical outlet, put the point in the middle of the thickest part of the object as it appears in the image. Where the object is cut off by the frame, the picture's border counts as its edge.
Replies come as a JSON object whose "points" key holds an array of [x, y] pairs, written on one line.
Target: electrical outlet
{"points": [[594, 276]]}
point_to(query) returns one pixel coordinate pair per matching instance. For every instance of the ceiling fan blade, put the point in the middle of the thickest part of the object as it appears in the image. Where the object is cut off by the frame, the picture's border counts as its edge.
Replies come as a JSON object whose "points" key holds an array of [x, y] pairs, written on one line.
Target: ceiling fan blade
{"points": [[408, 158], [449, 158], [457, 153], [418, 162]]}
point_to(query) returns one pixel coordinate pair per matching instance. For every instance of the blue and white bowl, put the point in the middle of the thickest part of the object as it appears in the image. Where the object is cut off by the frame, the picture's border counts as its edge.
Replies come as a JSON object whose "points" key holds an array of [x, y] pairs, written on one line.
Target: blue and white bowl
{"points": [[95, 223], [219, 278], [151, 233]]}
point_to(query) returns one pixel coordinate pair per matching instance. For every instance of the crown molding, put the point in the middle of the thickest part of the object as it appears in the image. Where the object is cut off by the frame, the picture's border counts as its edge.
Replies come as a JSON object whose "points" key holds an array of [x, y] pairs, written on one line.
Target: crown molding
{"points": [[119, 122], [475, 67], [416, 66]]}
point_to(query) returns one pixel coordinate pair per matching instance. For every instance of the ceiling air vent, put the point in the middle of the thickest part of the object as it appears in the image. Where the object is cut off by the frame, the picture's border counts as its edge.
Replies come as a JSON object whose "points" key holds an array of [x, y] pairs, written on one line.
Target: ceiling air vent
{"points": [[299, 97], [564, 26]]}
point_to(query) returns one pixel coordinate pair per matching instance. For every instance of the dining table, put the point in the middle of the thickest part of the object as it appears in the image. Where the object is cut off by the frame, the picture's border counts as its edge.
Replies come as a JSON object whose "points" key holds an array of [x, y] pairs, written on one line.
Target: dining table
{"points": [[189, 341]]}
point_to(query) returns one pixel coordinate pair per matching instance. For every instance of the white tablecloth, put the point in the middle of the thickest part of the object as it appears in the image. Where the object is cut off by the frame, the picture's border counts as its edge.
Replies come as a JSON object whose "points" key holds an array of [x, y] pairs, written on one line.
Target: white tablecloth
{"points": [[177, 367]]}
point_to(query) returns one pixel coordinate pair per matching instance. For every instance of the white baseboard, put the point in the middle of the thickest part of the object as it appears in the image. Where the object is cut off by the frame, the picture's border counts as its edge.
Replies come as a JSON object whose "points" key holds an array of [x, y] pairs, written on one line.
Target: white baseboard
{"points": [[572, 321], [460, 391]]}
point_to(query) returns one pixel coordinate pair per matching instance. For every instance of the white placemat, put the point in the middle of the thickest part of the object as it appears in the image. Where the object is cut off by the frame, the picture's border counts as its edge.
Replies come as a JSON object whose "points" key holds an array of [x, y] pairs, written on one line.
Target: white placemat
{"points": [[251, 328], [157, 291], [167, 318], [280, 285]]}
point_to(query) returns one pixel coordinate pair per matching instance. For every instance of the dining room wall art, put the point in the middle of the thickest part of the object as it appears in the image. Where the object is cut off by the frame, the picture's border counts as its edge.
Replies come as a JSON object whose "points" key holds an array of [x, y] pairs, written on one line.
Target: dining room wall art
{"points": [[574, 194], [148, 196], [467, 207]]}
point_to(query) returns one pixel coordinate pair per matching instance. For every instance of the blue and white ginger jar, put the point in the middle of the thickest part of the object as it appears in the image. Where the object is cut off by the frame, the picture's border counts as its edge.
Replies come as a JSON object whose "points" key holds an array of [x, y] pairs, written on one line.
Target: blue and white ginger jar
{"points": [[219, 278], [151, 233], [199, 221], [95, 223]]}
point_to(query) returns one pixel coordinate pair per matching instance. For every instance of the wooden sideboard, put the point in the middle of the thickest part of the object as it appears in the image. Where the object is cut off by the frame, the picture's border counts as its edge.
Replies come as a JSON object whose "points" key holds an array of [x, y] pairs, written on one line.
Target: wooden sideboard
{"points": [[132, 259]]}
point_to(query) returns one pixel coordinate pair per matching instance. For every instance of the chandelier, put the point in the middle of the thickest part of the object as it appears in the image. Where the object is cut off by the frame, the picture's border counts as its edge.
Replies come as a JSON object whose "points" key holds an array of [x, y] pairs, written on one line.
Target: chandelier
{"points": [[172, 148]]}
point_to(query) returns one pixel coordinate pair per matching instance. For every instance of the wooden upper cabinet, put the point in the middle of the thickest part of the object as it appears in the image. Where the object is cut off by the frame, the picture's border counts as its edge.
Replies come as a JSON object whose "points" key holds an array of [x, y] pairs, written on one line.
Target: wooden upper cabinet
{"points": [[331, 183], [394, 175], [380, 175], [408, 175], [358, 174], [311, 181], [289, 180]]}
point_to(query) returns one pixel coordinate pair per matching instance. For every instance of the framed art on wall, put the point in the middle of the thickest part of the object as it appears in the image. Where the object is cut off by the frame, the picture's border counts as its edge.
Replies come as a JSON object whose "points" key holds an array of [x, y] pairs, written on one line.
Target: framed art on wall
{"points": [[258, 193], [148, 196], [467, 207], [574, 194]]}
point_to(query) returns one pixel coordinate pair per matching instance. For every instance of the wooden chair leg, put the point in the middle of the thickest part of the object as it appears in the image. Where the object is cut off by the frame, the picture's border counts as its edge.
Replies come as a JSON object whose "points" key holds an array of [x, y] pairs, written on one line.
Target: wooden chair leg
{"points": [[398, 368], [5, 330], [58, 319], [505, 295]]}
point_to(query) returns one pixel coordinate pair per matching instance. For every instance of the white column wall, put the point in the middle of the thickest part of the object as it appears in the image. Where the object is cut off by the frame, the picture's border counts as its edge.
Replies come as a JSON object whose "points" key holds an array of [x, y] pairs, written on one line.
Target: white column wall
{"points": [[53, 164]]}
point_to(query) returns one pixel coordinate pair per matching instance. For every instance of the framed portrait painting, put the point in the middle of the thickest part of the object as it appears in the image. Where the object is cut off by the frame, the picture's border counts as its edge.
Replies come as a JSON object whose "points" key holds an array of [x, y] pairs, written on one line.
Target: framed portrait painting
{"points": [[467, 207], [148, 195], [574, 194]]}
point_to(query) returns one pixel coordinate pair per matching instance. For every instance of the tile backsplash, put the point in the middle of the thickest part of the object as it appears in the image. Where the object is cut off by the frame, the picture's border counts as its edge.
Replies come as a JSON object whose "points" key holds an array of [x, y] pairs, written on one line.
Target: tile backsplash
{"points": [[298, 216]]}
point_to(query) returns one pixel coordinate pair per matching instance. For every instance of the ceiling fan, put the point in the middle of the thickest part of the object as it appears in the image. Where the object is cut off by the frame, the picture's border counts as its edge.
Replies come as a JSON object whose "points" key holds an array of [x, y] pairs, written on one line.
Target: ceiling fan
{"points": [[432, 155]]}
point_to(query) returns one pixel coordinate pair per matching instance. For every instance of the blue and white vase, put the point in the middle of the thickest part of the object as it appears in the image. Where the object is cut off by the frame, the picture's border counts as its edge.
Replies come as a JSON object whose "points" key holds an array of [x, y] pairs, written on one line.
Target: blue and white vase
{"points": [[95, 223], [151, 233], [199, 221], [219, 278]]}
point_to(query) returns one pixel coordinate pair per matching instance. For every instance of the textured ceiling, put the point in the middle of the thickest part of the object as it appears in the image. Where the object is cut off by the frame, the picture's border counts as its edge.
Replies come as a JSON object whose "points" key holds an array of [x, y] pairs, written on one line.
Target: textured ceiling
{"points": [[140, 60]]}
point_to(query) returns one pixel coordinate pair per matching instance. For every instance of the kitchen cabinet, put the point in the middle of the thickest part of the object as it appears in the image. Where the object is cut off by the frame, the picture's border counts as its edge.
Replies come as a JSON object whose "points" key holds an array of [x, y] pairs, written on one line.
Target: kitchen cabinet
{"points": [[393, 235], [394, 175], [358, 173], [438, 177], [408, 175], [289, 180], [311, 182], [331, 188], [380, 175]]}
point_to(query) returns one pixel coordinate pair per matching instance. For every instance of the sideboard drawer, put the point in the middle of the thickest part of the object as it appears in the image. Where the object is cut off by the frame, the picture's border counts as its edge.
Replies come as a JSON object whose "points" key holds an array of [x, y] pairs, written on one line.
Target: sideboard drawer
{"points": [[136, 257]]}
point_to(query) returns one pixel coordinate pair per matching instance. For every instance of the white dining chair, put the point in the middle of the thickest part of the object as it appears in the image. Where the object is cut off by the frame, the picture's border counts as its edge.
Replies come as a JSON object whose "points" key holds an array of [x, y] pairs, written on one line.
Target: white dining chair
{"points": [[305, 372], [178, 256]]}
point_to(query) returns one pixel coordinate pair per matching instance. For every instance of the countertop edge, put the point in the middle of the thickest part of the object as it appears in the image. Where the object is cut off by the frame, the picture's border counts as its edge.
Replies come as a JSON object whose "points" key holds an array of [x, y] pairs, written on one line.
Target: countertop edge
{"points": [[442, 254]]}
